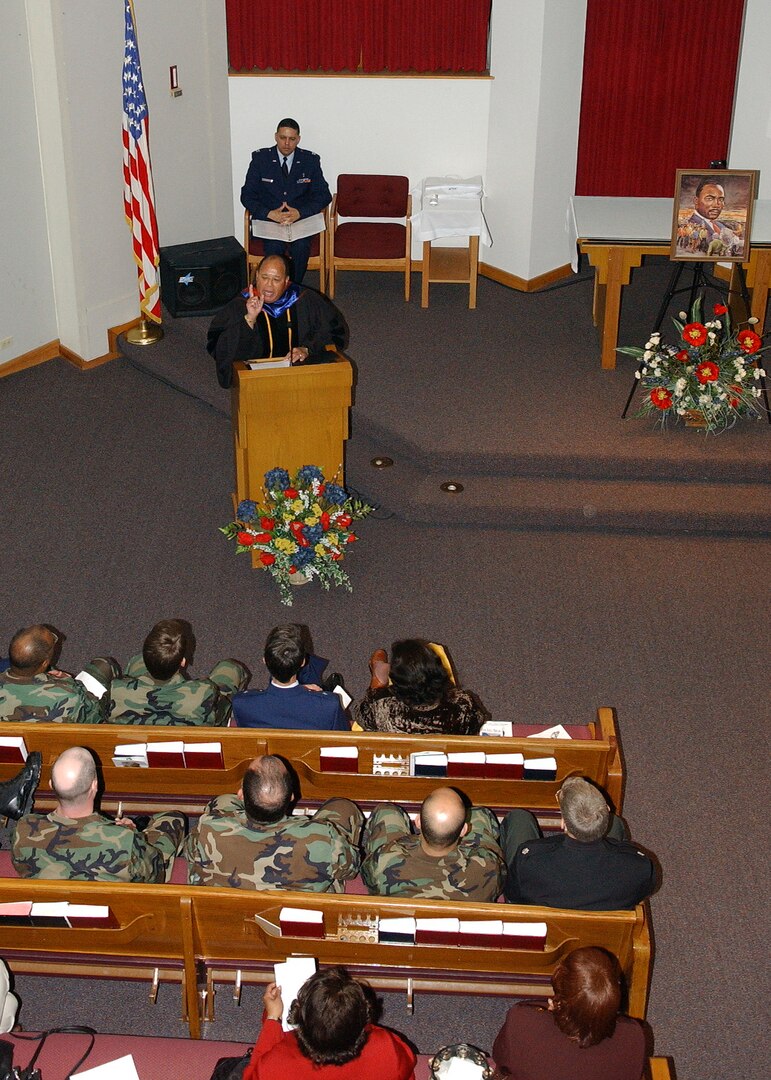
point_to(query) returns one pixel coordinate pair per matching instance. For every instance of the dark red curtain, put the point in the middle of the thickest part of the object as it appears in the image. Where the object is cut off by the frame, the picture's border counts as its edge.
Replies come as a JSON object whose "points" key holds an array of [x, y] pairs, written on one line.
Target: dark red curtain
{"points": [[658, 92], [359, 35]]}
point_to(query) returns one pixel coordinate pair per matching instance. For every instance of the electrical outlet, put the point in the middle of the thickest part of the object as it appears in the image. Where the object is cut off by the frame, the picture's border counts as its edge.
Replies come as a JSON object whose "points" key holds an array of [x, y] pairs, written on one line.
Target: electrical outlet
{"points": [[5, 342]]}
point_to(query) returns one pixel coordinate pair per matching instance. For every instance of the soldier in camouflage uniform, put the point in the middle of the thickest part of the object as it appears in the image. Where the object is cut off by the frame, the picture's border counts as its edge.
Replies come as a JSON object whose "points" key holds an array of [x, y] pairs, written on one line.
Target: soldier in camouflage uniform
{"points": [[455, 856], [73, 842], [155, 688], [252, 840], [31, 689]]}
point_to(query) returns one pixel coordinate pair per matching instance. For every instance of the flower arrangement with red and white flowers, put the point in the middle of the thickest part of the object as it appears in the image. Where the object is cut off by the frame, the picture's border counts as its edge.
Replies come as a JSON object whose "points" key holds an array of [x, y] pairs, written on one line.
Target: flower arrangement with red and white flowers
{"points": [[302, 527], [712, 376]]}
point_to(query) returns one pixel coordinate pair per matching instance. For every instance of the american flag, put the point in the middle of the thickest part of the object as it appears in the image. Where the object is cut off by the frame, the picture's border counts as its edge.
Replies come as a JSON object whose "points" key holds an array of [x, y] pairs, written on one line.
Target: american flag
{"points": [[138, 196]]}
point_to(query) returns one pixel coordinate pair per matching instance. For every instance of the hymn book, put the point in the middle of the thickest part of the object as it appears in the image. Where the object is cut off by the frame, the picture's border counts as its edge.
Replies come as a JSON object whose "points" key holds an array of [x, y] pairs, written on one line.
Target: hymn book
{"points": [[13, 750]]}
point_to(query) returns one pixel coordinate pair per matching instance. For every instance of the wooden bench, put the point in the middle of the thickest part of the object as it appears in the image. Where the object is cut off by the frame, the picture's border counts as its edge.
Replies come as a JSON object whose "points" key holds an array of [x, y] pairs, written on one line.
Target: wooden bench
{"points": [[200, 938], [155, 1058], [596, 756]]}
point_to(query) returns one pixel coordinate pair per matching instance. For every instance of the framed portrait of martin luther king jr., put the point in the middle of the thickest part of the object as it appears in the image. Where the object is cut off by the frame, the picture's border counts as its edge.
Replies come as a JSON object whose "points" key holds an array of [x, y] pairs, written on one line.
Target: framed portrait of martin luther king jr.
{"points": [[712, 215]]}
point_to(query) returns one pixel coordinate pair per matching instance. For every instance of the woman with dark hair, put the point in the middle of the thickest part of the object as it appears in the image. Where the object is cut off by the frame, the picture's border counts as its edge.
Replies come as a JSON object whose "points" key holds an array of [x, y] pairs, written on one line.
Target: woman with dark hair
{"points": [[334, 1037], [420, 699], [580, 1036]]}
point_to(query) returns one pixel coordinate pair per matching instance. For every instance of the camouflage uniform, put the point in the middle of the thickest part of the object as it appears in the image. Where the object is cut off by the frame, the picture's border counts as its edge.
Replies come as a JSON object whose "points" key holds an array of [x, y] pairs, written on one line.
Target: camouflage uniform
{"points": [[55, 699], [316, 853], [94, 848], [138, 698], [395, 864]]}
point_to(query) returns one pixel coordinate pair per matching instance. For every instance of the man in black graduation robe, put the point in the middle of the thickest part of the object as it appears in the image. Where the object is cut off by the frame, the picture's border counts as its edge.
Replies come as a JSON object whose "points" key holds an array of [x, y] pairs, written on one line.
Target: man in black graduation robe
{"points": [[277, 319]]}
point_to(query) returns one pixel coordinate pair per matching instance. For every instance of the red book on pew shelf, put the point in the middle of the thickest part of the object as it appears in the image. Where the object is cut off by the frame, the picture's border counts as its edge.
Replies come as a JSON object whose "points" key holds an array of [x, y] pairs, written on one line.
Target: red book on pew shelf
{"points": [[202, 755], [398, 931], [299, 922], [504, 766], [339, 759], [16, 914], [466, 764], [166, 755], [13, 749], [90, 917], [484, 933], [437, 931], [524, 935]]}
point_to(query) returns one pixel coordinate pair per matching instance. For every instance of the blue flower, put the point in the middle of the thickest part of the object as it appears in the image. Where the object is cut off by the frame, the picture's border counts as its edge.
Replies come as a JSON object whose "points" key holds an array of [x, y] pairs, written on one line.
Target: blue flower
{"points": [[335, 494], [277, 478], [308, 473], [302, 557], [313, 533], [246, 510]]}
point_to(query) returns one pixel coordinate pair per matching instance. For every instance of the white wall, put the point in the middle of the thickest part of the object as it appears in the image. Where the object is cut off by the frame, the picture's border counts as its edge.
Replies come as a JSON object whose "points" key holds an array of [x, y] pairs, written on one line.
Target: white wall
{"points": [[410, 127], [65, 130], [537, 63], [27, 312], [750, 146]]}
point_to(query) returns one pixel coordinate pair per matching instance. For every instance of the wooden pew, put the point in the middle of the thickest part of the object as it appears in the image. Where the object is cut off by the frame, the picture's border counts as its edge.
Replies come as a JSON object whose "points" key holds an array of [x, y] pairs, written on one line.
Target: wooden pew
{"points": [[202, 937], [597, 757]]}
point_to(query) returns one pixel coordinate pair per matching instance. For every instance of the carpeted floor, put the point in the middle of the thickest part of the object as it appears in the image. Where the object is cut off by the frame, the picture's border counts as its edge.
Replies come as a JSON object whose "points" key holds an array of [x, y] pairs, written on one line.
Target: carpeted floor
{"points": [[115, 485]]}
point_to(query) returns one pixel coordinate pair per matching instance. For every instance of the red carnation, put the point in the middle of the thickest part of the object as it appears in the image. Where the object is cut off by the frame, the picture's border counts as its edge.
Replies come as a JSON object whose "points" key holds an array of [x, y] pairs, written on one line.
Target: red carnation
{"points": [[337, 556], [749, 341], [324, 520], [263, 538], [267, 523], [694, 333], [322, 489], [291, 493], [661, 398], [707, 372], [292, 569], [350, 539], [344, 520], [267, 559], [734, 402], [245, 539], [682, 356], [296, 529], [720, 309]]}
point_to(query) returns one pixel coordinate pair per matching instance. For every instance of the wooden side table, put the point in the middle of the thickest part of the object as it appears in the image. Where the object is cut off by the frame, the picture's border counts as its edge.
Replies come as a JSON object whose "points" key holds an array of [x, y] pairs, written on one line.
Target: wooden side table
{"points": [[458, 265]]}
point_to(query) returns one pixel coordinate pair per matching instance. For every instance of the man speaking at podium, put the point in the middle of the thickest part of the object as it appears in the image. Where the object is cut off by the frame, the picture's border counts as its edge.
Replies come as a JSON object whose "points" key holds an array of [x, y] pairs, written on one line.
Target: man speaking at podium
{"points": [[275, 319]]}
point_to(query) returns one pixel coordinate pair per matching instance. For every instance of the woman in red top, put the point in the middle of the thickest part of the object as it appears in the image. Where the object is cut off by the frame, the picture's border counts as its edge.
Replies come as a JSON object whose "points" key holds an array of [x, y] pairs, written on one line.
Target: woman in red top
{"points": [[333, 1039], [580, 1036]]}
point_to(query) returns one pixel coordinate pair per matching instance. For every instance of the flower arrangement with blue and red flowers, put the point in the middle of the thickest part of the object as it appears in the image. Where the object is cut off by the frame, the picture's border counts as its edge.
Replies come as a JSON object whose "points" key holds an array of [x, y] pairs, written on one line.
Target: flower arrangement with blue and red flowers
{"points": [[710, 379], [301, 527]]}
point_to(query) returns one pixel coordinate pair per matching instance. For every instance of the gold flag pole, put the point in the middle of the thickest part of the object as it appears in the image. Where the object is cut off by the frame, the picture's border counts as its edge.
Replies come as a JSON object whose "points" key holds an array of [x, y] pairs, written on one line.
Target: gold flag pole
{"points": [[147, 333]]}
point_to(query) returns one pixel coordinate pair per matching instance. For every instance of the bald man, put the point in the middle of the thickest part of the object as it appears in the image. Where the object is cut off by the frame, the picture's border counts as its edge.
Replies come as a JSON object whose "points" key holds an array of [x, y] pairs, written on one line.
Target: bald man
{"points": [[454, 855], [74, 842], [252, 840], [33, 689]]}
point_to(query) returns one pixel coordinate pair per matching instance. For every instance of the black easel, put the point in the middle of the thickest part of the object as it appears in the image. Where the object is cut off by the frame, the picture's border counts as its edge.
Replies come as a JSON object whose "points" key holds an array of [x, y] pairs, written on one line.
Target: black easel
{"points": [[700, 279]]}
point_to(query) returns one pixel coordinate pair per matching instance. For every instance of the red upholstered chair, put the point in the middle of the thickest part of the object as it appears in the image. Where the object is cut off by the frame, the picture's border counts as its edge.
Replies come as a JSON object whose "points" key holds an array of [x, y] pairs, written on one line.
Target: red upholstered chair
{"points": [[371, 245], [318, 257]]}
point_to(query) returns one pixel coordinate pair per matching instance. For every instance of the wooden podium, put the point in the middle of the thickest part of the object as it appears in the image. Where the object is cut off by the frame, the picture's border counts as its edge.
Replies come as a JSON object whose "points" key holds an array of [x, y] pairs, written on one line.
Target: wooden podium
{"points": [[289, 417]]}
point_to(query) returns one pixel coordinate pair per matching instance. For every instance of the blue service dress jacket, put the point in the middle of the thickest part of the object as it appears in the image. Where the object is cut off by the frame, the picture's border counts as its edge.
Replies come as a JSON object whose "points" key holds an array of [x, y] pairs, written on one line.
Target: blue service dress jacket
{"points": [[292, 707], [266, 188]]}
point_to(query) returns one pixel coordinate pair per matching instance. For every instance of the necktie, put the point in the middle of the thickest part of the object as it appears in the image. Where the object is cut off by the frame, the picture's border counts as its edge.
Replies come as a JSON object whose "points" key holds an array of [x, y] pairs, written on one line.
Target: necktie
{"points": [[285, 170]]}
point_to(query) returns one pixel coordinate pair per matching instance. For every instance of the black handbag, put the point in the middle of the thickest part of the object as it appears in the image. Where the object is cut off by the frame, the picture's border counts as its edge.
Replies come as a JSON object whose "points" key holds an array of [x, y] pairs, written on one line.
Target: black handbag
{"points": [[30, 1072], [231, 1068], [17, 795]]}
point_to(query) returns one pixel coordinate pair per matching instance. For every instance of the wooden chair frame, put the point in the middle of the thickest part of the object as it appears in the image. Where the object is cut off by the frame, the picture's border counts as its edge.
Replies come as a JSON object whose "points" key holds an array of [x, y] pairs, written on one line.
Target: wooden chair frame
{"points": [[403, 263]]}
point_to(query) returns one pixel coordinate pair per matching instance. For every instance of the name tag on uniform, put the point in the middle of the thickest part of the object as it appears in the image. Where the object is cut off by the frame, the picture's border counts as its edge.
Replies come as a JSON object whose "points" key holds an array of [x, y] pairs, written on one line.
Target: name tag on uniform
{"points": [[266, 180]]}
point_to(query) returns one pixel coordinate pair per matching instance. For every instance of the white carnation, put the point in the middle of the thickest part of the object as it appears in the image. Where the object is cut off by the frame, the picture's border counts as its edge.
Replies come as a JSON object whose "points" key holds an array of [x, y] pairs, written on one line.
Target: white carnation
{"points": [[754, 319], [683, 315], [704, 399], [759, 373], [647, 355], [637, 375], [680, 385]]}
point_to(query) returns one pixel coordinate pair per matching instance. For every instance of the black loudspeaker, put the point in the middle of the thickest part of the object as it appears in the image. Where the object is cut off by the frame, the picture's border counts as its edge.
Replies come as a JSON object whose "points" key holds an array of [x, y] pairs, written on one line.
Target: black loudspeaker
{"points": [[198, 279]]}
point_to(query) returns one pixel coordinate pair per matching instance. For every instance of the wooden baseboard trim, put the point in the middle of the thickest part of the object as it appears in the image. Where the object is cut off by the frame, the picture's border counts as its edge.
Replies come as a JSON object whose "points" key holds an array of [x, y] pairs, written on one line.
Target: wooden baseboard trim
{"points": [[54, 349], [40, 355], [511, 281]]}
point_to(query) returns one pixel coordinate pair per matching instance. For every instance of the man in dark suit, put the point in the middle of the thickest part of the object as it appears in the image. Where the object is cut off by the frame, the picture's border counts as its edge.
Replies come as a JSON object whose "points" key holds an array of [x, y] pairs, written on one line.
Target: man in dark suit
{"points": [[287, 703], [285, 184], [589, 865]]}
